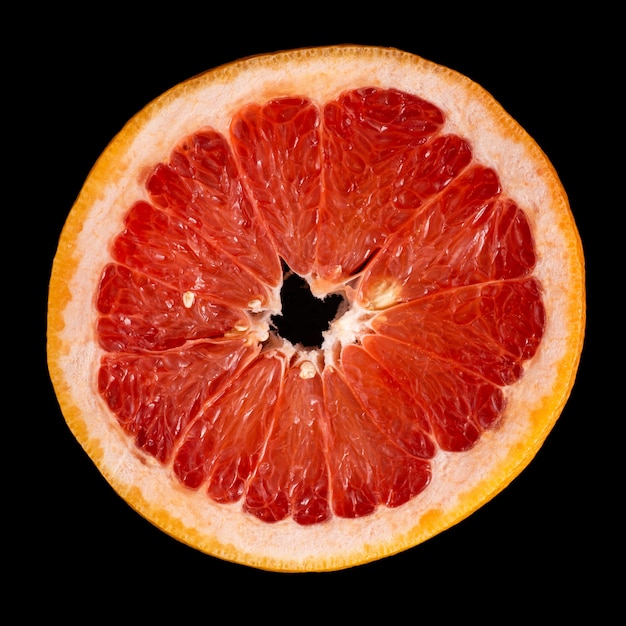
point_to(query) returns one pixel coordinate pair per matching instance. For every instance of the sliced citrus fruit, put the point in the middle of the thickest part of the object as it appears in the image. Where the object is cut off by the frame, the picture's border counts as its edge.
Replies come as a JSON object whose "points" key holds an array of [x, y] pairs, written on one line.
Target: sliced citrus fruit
{"points": [[395, 186]]}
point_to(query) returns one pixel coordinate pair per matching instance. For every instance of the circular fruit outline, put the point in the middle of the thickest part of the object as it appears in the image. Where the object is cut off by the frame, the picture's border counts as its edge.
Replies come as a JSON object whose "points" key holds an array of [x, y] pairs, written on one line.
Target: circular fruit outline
{"points": [[461, 482]]}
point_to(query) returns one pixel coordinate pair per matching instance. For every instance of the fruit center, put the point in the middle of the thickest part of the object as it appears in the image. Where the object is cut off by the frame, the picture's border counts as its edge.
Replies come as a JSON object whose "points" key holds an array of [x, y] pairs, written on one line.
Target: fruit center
{"points": [[304, 317]]}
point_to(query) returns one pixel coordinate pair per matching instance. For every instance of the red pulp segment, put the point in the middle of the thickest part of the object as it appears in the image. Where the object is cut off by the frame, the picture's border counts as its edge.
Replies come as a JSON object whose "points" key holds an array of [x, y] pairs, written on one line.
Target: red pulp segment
{"points": [[368, 189]]}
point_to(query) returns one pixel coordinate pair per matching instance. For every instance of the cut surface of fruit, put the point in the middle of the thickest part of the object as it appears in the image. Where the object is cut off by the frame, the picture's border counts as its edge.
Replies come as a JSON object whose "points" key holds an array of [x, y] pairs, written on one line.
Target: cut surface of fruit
{"points": [[411, 206]]}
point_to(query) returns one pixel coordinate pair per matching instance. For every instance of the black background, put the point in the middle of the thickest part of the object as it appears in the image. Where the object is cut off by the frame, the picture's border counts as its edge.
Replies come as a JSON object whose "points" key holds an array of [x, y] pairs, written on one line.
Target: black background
{"points": [[539, 548]]}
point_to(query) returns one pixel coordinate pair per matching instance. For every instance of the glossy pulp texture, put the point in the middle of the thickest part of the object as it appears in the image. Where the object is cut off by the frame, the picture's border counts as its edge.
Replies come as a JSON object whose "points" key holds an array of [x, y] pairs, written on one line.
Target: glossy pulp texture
{"points": [[368, 192]]}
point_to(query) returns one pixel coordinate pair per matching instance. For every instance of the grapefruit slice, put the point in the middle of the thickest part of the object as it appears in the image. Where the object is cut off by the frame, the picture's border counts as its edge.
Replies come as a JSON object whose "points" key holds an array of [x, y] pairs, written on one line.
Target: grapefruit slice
{"points": [[379, 179]]}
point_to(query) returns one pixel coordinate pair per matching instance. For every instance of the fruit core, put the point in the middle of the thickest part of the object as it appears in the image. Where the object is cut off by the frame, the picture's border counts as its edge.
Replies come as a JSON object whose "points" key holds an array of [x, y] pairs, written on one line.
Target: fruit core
{"points": [[304, 318]]}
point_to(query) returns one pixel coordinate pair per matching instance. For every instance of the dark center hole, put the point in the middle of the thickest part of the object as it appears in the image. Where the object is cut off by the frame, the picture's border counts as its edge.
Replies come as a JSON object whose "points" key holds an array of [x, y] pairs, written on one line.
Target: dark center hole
{"points": [[304, 317]]}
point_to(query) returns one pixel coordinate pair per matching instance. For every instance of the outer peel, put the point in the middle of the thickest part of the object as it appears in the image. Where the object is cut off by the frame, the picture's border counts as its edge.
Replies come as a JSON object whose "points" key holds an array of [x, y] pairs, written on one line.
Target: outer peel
{"points": [[461, 482]]}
